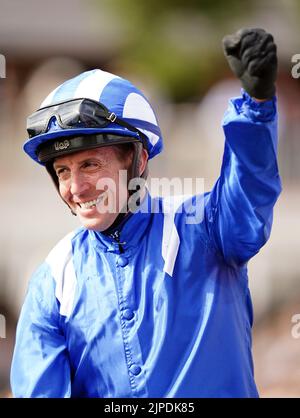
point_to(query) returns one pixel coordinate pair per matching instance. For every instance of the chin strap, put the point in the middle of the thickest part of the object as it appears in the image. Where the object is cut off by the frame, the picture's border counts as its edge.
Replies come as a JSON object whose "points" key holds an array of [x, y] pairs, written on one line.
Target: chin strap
{"points": [[133, 172], [117, 224]]}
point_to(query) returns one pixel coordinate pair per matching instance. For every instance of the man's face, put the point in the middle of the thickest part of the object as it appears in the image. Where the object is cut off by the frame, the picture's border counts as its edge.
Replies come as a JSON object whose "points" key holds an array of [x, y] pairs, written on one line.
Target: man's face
{"points": [[89, 183]]}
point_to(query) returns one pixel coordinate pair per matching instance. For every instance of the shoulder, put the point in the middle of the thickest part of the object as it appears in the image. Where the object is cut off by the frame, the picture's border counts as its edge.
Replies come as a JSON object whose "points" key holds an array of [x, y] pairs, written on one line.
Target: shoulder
{"points": [[52, 286], [61, 269], [63, 249]]}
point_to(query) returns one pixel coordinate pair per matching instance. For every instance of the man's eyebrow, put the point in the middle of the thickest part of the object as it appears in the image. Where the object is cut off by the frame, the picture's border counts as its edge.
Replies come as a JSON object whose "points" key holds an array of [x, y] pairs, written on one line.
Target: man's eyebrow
{"points": [[58, 165], [100, 160]]}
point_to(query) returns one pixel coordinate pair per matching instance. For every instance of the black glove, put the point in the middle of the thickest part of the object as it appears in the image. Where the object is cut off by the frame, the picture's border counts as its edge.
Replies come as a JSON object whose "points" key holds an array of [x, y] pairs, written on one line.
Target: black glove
{"points": [[251, 54]]}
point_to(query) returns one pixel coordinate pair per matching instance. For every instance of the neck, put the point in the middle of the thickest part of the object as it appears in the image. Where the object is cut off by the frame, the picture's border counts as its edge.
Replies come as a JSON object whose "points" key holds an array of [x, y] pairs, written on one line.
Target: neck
{"points": [[123, 216]]}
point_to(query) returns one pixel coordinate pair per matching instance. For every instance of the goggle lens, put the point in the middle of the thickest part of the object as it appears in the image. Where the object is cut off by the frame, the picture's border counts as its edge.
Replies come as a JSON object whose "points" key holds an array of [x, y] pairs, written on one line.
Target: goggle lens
{"points": [[70, 114]]}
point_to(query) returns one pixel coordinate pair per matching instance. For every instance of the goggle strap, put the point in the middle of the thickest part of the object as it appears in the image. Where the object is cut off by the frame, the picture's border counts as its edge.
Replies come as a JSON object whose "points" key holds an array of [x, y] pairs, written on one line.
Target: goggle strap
{"points": [[131, 128], [112, 117]]}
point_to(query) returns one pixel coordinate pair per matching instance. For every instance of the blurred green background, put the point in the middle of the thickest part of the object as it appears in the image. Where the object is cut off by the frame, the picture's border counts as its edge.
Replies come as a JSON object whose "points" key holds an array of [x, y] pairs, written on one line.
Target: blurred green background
{"points": [[172, 50]]}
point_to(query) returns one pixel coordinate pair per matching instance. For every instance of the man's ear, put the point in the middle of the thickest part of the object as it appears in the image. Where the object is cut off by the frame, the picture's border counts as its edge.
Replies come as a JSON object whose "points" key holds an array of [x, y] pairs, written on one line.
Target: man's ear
{"points": [[143, 161]]}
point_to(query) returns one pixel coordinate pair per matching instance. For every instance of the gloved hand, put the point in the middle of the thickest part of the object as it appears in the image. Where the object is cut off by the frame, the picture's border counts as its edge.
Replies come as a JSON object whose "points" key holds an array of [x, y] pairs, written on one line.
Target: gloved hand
{"points": [[251, 54]]}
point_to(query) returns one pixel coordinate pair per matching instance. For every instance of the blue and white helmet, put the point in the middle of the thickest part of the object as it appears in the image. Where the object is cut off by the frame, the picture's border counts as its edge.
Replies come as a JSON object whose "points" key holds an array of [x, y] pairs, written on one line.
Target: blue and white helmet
{"points": [[118, 95]]}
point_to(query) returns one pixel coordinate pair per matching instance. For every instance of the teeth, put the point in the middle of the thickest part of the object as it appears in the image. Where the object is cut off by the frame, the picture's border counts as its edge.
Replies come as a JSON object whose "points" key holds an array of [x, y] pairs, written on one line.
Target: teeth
{"points": [[87, 205], [91, 203]]}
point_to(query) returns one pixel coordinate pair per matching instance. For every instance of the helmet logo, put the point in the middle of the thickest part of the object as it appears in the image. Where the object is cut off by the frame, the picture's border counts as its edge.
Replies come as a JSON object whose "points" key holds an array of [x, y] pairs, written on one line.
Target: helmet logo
{"points": [[61, 145]]}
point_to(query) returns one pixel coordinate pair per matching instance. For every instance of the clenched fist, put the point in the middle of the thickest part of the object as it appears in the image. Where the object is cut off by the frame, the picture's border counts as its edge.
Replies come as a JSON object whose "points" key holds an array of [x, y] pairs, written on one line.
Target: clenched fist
{"points": [[251, 54]]}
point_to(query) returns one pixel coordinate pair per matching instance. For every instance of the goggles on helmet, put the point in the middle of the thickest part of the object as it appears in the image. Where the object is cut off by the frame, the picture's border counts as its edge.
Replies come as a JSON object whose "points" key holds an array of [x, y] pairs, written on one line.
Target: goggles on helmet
{"points": [[77, 113]]}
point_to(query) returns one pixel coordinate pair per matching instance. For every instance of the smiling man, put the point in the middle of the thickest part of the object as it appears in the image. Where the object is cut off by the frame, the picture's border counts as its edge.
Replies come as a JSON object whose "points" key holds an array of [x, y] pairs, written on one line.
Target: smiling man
{"points": [[91, 185], [139, 301]]}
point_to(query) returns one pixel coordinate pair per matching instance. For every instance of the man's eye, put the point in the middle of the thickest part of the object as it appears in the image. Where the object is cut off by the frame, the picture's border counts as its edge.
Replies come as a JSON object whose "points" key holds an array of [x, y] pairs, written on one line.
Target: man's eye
{"points": [[61, 172], [90, 165]]}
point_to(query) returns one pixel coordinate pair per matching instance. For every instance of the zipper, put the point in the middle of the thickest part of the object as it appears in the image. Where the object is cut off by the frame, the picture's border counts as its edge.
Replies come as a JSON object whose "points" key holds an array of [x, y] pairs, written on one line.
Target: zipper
{"points": [[116, 237]]}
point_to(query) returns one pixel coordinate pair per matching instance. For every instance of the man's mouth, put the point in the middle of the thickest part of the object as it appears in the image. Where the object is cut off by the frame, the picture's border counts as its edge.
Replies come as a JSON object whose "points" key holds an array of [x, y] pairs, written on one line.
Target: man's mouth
{"points": [[90, 203]]}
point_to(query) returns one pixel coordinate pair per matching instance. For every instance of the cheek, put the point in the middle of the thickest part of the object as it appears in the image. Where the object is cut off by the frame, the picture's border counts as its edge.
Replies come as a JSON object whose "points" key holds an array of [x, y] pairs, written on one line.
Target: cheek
{"points": [[63, 191], [115, 184]]}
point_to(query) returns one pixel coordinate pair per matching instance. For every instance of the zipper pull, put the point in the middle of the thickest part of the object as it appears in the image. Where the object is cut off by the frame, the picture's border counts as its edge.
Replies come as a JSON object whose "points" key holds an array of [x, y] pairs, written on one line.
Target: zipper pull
{"points": [[116, 237]]}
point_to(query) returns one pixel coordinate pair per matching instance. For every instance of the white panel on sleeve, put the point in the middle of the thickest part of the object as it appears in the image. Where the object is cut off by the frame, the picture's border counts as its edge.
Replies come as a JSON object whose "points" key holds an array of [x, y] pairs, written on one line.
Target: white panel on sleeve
{"points": [[170, 239], [60, 260]]}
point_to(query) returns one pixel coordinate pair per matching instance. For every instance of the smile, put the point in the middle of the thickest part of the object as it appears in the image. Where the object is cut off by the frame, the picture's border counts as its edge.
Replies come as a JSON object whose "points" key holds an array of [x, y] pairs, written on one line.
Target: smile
{"points": [[91, 203]]}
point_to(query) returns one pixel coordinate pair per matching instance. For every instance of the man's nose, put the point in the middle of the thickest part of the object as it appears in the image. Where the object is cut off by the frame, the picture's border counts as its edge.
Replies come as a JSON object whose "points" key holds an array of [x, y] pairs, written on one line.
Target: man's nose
{"points": [[78, 183]]}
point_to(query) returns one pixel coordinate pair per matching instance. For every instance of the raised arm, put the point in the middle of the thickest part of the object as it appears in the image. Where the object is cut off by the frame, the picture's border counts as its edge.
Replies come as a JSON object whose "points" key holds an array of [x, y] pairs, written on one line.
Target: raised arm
{"points": [[240, 208]]}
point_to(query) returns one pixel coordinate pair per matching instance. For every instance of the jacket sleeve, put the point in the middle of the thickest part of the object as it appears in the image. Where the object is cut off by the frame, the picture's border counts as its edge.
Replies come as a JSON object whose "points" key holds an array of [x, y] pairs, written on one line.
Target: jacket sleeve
{"points": [[240, 206], [40, 366]]}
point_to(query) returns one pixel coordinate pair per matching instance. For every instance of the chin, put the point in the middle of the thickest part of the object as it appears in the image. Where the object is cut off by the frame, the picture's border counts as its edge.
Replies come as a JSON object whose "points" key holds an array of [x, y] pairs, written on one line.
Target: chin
{"points": [[96, 224]]}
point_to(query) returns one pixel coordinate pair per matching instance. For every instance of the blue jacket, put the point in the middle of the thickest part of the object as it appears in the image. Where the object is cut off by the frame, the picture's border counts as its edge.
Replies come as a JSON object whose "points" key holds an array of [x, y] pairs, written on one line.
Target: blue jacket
{"points": [[161, 308]]}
